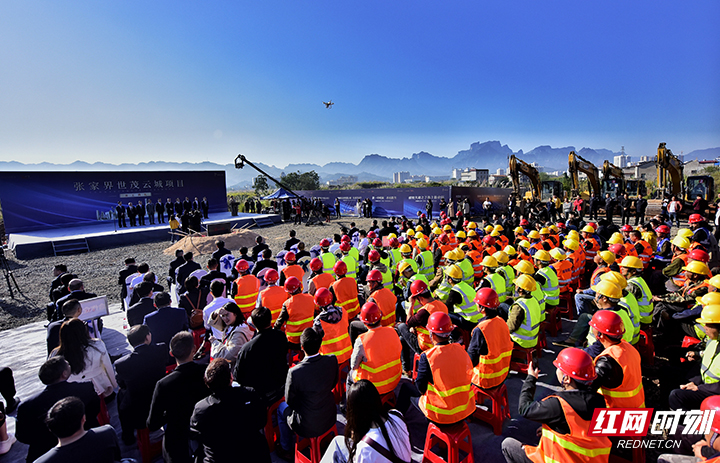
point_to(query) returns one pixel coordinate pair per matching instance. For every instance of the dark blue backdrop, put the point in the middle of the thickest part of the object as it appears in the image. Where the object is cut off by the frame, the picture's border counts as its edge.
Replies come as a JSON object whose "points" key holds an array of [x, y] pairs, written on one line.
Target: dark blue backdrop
{"points": [[40, 200]]}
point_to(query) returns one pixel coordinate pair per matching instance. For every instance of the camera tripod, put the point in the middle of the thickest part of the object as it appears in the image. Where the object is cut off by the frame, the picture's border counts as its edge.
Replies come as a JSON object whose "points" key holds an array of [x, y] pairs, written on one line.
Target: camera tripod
{"points": [[7, 273]]}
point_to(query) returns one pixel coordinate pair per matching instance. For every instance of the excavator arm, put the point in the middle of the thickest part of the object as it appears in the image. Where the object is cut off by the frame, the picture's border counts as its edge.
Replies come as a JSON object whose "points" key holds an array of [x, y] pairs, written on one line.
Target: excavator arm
{"points": [[518, 166], [610, 170], [578, 164], [669, 171]]}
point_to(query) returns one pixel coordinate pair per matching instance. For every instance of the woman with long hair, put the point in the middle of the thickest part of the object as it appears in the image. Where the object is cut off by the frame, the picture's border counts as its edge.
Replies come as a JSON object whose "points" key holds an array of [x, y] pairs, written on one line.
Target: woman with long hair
{"points": [[372, 434], [235, 335], [88, 357]]}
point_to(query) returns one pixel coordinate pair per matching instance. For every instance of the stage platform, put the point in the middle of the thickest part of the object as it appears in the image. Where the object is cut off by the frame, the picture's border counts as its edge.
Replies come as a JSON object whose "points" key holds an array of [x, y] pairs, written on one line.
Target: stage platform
{"points": [[104, 235]]}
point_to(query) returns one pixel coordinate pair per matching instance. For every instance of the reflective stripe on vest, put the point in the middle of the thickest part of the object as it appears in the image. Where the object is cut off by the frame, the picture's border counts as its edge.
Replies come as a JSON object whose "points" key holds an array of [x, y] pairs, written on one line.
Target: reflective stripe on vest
{"points": [[382, 365], [449, 399], [493, 368], [630, 394], [710, 367], [468, 274], [273, 298], [386, 300], [629, 303], [336, 340], [527, 334], [468, 310], [497, 283], [442, 292], [428, 264], [346, 293], [328, 260], [645, 302], [351, 265], [247, 293], [300, 309], [509, 273], [550, 288], [423, 335], [658, 250]]}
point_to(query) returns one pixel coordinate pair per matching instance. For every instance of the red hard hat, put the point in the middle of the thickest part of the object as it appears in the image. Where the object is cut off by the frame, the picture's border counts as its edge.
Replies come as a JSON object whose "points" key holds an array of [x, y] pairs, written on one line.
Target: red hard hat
{"points": [[340, 268], [289, 256], [487, 297], [617, 249], [608, 322], [489, 240], [713, 403], [465, 223], [345, 239], [626, 228], [593, 224], [370, 313], [663, 229], [372, 235], [271, 276], [345, 246], [323, 297], [443, 239], [576, 363], [422, 216], [373, 256], [242, 266], [292, 284], [316, 264], [325, 243], [374, 275], [524, 223], [699, 254], [695, 218], [377, 242], [418, 287], [443, 214], [394, 243], [440, 323], [560, 225]]}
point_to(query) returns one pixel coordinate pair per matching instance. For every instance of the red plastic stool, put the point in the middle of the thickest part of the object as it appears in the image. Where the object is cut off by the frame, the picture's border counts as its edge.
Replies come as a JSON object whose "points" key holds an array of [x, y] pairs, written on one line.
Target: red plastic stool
{"points": [[339, 390], [566, 306], [169, 369], [295, 356], [521, 353], [272, 432], [103, 416], [645, 345], [416, 362], [456, 438], [542, 341], [148, 450], [499, 410], [554, 322], [198, 337], [313, 443], [388, 400]]}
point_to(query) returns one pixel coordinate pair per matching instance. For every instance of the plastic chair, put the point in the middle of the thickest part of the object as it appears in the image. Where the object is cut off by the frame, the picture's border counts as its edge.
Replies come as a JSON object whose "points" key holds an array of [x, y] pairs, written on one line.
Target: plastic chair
{"points": [[521, 353], [553, 321], [339, 390], [103, 416], [499, 409], [645, 346], [169, 369], [456, 439], [272, 431], [388, 400], [313, 443], [416, 362], [198, 337], [148, 450], [294, 357], [542, 340], [566, 305]]}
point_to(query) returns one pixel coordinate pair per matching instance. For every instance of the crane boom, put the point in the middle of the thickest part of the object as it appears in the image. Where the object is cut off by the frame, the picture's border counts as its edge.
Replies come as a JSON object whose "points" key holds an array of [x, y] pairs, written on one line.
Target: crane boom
{"points": [[240, 162], [669, 171]]}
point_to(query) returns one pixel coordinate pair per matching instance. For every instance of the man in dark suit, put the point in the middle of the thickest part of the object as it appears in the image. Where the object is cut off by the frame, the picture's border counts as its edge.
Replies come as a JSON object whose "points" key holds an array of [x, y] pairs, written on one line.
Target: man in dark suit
{"points": [[292, 241], [266, 262], [174, 400], [187, 205], [137, 312], [131, 214], [185, 270], [205, 207], [196, 204], [174, 266], [150, 208], [166, 321], [169, 208], [221, 250], [309, 407], [178, 207], [258, 248], [71, 309], [160, 211], [137, 373], [58, 272], [262, 362], [214, 273], [30, 427], [120, 212], [148, 277], [130, 268], [140, 212], [77, 291]]}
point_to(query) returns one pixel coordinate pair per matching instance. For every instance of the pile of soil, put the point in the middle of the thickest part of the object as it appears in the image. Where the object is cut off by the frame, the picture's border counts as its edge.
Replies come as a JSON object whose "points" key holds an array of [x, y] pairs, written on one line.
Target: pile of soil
{"points": [[202, 245]]}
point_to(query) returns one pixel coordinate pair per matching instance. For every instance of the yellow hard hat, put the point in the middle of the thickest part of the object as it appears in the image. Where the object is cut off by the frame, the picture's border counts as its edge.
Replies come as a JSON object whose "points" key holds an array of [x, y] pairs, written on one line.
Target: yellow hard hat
{"points": [[571, 244], [554, 228], [472, 225], [616, 238], [519, 230], [489, 261], [542, 255], [437, 231], [447, 228], [454, 272], [509, 250], [685, 233], [419, 235], [501, 257], [709, 299], [403, 265], [588, 229], [710, 314], [544, 231], [631, 262], [405, 249], [614, 277], [715, 281], [526, 282], [460, 234], [574, 235], [499, 228], [489, 228], [433, 225], [608, 289], [697, 267], [392, 235], [681, 242], [419, 228], [533, 234], [494, 233], [557, 254], [422, 243], [458, 254], [525, 267], [410, 232], [607, 256], [472, 233], [525, 244]]}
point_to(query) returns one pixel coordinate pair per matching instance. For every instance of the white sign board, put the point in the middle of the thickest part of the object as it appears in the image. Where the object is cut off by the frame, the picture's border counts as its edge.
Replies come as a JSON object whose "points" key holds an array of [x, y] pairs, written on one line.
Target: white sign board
{"points": [[94, 308]]}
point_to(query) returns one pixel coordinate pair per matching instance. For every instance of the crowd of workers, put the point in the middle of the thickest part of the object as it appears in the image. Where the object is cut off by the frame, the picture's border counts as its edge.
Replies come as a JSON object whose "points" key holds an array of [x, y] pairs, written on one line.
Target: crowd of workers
{"points": [[452, 307]]}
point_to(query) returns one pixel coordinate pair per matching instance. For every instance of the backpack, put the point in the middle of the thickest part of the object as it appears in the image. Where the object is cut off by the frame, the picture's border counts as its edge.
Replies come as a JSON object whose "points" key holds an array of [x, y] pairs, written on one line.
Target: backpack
{"points": [[196, 319]]}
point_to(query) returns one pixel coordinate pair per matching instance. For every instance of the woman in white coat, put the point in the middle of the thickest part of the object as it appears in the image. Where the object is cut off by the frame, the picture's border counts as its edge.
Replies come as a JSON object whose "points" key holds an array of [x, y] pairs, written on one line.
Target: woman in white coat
{"points": [[235, 334], [88, 357]]}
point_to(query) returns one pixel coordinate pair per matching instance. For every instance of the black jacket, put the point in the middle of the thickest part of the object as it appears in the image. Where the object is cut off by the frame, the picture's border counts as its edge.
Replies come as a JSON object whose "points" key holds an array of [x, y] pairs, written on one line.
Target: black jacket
{"points": [[137, 373], [262, 364], [309, 395], [184, 271], [136, 313], [79, 295]]}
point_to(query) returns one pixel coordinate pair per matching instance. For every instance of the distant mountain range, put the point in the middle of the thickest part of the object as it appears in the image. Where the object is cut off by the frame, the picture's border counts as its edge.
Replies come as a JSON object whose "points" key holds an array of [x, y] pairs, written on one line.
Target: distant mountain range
{"points": [[374, 167]]}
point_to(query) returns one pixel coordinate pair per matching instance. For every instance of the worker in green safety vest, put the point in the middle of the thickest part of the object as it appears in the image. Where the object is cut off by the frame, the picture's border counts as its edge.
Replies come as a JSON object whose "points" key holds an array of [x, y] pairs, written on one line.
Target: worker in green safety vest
{"points": [[524, 314], [461, 300]]}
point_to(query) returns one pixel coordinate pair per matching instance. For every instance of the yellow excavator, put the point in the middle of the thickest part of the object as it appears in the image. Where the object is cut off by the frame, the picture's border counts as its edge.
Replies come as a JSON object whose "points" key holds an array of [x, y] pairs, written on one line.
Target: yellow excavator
{"points": [[538, 190], [614, 182], [576, 164], [670, 178]]}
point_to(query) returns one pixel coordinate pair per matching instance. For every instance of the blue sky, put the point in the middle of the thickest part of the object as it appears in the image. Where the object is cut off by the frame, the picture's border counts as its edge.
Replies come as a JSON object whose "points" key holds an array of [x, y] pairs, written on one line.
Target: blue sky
{"points": [[132, 81]]}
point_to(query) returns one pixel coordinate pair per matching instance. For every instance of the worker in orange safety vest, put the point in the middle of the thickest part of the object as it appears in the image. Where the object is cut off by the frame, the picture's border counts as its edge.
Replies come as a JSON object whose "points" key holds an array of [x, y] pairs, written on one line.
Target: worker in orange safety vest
{"points": [[490, 346], [273, 296], [297, 313], [245, 289]]}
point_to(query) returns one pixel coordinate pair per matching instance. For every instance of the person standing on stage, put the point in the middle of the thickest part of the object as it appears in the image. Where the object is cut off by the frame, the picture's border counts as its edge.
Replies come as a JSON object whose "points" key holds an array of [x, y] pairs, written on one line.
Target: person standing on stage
{"points": [[131, 214], [150, 208], [205, 207], [120, 211], [140, 211], [169, 209], [160, 211]]}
